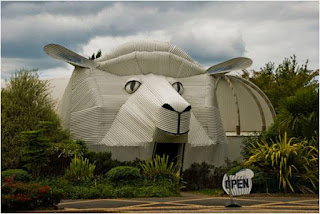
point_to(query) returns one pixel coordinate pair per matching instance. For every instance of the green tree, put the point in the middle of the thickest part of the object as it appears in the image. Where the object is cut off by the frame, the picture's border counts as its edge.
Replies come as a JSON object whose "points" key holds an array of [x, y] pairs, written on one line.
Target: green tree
{"points": [[35, 153], [25, 101], [298, 115], [283, 81]]}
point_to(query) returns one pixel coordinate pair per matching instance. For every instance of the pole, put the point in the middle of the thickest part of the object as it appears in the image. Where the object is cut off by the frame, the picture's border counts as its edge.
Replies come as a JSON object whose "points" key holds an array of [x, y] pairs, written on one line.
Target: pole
{"points": [[231, 203]]}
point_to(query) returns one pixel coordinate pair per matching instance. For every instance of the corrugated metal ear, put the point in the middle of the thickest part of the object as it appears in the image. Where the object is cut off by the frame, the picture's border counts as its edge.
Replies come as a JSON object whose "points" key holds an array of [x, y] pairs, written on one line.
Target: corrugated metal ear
{"points": [[238, 63], [61, 53]]}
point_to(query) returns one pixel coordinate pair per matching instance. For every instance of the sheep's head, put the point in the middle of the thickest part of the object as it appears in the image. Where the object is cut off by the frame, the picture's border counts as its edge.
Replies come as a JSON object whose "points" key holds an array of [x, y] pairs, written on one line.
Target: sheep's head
{"points": [[150, 75], [160, 99]]}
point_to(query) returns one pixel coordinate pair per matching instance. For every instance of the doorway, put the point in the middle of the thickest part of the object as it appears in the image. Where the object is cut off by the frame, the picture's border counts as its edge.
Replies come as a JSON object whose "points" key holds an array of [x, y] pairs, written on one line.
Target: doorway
{"points": [[175, 151]]}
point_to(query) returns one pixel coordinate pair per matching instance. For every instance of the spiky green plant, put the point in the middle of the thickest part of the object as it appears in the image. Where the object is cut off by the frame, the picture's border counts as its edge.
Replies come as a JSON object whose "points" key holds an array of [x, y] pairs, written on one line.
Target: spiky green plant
{"points": [[287, 160], [160, 168], [276, 159], [80, 169]]}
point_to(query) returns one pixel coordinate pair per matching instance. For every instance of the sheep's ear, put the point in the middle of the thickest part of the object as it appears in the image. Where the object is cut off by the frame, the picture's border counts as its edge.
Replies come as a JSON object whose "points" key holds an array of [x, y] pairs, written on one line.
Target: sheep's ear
{"points": [[230, 65], [61, 53]]}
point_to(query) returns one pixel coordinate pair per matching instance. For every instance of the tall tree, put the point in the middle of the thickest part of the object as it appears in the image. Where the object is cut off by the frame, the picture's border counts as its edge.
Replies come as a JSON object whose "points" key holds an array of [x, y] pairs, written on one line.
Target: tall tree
{"points": [[283, 81], [25, 101]]}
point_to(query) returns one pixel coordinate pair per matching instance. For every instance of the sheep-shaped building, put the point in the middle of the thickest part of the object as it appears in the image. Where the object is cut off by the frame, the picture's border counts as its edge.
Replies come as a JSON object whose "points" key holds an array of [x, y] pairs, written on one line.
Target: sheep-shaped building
{"points": [[150, 97]]}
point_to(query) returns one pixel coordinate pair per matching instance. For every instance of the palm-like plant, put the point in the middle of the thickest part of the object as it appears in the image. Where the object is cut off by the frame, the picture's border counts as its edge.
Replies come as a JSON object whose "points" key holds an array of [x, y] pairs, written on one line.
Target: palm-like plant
{"points": [[80, 169], [160, 167], [287, 160], [276, 159]]}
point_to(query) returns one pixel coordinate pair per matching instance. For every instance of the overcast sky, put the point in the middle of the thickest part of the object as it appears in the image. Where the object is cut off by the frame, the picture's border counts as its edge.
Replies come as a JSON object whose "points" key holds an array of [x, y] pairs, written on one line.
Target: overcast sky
{"points": [[210, 32]]}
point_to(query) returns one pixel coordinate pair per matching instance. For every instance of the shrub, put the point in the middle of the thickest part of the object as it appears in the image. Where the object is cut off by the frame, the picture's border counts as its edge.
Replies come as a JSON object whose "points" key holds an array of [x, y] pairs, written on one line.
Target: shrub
{"points": [[35, 154], [17, 174], [160, 168], [60, 155], [126, 192], [107, 191], [287, 161], [80, 170], [102, 160], [123, 174], [19, 195], [198, 176], [299, 114], [201, 176]]}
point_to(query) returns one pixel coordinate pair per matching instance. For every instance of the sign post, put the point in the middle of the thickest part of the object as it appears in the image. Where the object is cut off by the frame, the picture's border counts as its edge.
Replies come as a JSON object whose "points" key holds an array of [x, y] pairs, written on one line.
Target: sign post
{"points": [[238, 184], [231, 203]]}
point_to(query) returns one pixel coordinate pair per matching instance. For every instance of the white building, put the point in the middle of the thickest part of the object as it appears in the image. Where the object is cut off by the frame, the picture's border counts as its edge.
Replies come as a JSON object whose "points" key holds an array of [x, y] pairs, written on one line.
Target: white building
{"points": [[150, 97]]}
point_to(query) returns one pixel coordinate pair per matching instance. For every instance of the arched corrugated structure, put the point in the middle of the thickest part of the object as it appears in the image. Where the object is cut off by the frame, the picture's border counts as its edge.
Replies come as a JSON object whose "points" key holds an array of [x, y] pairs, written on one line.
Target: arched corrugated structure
{"points": [[243, 106], [97, 108]]}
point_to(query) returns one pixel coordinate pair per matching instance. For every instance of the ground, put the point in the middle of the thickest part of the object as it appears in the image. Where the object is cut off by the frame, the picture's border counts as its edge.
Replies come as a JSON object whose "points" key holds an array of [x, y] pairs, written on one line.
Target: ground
{"points": [[190, 202]]}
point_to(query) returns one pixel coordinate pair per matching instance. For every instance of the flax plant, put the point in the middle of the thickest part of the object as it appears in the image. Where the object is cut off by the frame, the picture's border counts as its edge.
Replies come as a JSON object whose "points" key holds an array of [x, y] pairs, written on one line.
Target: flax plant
{"points": [[279, 158], [80, 169], [160, 167]]}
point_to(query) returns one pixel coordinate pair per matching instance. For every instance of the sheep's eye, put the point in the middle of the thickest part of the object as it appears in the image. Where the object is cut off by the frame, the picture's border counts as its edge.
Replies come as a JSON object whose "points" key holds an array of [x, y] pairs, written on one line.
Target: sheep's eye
{"points": [[132, 86], [178, 87]]}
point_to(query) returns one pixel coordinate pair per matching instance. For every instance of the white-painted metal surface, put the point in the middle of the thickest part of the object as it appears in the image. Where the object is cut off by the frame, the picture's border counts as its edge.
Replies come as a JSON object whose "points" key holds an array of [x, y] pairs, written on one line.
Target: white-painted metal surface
{"points": [[100, 107]]}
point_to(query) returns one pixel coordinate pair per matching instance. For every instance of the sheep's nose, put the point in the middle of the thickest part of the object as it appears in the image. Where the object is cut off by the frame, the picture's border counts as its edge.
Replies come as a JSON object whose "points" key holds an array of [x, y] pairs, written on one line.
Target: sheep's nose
{"points": [[169, 107]]}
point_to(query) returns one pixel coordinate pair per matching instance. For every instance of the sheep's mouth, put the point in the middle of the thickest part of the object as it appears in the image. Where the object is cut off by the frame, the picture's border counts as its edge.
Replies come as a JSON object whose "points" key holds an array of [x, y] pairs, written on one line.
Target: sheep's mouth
{"points": [[173, 122]]}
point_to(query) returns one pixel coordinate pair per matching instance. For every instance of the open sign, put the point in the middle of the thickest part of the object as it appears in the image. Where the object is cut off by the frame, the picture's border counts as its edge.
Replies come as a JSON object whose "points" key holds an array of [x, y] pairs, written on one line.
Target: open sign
{"points": [[240, 183]]}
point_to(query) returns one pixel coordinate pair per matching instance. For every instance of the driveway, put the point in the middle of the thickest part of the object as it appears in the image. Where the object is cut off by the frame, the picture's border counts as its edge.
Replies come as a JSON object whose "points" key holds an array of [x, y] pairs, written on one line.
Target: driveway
{"points": [[195, 203]]}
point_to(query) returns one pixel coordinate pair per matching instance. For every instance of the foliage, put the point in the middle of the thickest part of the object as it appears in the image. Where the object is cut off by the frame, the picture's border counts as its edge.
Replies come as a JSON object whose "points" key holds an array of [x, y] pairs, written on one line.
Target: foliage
{"points": [[123, 174], [23, 196], [80, 170], [246, 145], [25, 101], [16, 174], [198, 176], [103, 161], [61, 153], [105, 189], [299, 114], [205, 176], [283, 81], [35, 156], [160, 168], [286, 161]]}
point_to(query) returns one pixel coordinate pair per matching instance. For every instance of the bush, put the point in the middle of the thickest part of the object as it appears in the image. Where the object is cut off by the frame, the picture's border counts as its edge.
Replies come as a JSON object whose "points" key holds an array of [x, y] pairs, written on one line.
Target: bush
{"points": [[102, 160], [16, 174], [124, 174], [107, 191], [146, 191], [202, 176], [23, 196], [289, 162], [80, 170], [60, 155], [198, 176], [160, 168]]}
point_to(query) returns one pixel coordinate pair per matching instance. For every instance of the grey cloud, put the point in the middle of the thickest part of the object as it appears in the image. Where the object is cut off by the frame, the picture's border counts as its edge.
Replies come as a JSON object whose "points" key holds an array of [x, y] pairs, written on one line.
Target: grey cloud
{"points": [[12, 65], [20, 9], [28, 26]]}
